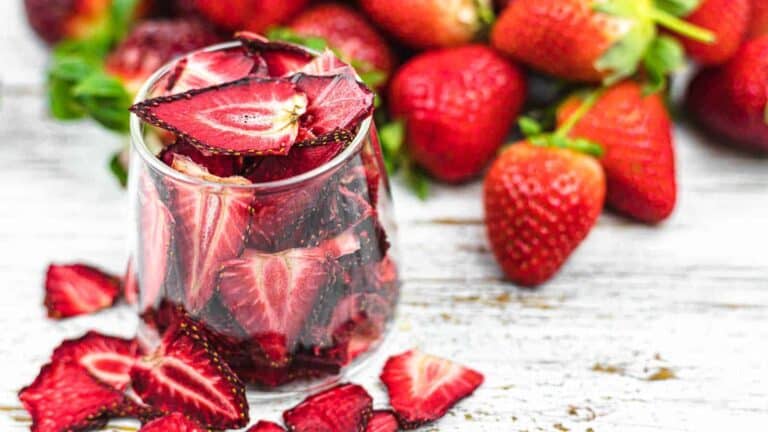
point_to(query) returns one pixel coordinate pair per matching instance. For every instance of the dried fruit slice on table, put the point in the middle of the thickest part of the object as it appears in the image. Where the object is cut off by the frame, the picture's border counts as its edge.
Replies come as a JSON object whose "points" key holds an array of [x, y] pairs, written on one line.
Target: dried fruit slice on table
{"points": [[211, 228], [155, 239], [175, 422], [422, 388], [271, 294], [344, 408], [254, 115], [383, 421], [130, 284], [78, 289], [266, 426], [185, 375], [208, 68], [108, 359]]}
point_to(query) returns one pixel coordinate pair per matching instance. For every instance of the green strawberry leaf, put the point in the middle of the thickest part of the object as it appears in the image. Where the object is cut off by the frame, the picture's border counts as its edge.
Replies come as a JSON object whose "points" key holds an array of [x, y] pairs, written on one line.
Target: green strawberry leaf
{"points": [[678, 8], [664, 56], [392, 138], [485, 12], [118, 170], [288, 35], [416, 179], [121, 17], [622, 59], [530, 127]]}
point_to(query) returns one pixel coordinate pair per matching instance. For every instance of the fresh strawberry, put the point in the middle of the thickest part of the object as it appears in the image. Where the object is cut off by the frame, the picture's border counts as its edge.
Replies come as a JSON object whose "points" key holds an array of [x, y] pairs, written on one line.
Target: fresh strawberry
{"points": [[250, 116], [185, 375], [350, 34], [54, 20], [65, 397], [758, 25], [108, 359], [77, 289], [216, 164], [383, 421], [728, 20], [540, 203], [208, 68], [635, 132], [583, 40], [271, 295], [175, 422], [212, 225], [251, 15], [151, 44], [344, 408], [130, 284], [730, 100], [266, 426], [156, 232], [422, 388], [431, 23], [458, 105], [300, 160]]}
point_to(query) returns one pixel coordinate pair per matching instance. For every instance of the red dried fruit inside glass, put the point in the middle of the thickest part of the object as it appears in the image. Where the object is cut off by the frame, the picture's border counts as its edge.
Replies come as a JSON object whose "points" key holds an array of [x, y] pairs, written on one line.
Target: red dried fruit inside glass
{"points": [[208, 68], [155, 238], [78, 289], [344, 408], [108, 359]]}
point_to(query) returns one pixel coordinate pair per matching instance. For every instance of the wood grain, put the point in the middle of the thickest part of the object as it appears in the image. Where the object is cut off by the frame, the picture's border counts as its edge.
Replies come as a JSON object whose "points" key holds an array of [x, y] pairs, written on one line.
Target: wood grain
{"points": [[688, 297]]}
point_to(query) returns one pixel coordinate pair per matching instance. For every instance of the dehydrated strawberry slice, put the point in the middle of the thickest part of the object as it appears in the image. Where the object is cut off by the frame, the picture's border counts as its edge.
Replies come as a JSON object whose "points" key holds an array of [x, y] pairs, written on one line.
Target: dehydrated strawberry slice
{"points": [[65, 397], [422, 387], [250, 116], [281, 59], [327, 64], [272, 294], [185, 375], [266, 426], [382, 421], [298, 161], [155, 237], [108, 359], [208, 68], [175, 422], [344, 408], [212, 225], [334, 102], [216, 164], [77, 289], [130, 284]]}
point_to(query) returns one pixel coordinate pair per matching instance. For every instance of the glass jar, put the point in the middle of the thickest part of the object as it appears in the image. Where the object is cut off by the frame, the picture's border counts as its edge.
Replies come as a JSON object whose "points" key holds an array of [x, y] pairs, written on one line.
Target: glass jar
{"points": [[294, 282]]}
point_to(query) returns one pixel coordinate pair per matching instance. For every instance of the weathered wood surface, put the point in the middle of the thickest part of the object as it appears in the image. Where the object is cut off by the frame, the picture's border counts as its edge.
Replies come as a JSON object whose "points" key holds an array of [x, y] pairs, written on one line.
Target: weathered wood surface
{"points": [[689, 296]]}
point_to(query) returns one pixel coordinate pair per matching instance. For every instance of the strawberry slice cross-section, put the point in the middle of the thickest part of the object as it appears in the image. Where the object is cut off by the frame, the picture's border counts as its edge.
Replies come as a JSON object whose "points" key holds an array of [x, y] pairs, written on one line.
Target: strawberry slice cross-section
{"points": [[344, 408], [155, 238], [175, 422], [185, 375], [266, 426], [78, 289], [255, 116], [208, 68], [212, 224], [422, 388], [272, 294], [108, 359]]}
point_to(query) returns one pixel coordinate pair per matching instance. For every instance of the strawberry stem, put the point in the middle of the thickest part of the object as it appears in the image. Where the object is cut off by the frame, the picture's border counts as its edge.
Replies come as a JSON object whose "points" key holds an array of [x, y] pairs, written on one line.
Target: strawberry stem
{"points": [[679, 26], [586, 105]]}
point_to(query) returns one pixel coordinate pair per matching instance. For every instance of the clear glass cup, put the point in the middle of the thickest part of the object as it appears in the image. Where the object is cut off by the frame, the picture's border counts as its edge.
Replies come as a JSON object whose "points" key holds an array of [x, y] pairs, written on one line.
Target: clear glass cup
{"points": [[308, 290]]}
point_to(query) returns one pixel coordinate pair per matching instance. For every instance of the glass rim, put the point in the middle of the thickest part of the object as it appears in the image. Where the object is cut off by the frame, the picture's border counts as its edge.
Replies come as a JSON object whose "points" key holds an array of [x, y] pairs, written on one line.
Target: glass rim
{"points": [[138, 143]]}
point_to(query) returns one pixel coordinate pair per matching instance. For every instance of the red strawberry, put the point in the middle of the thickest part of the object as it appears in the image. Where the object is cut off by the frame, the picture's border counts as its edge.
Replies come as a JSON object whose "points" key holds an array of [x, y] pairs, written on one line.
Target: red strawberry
{"points": [[65, 397], [639, 160], [430, 23], [758, 25], [185, 375], [422, 388], [728, 20], [271, 295], [77, 289], [175, 422], [300, 160], [458, 105], [212, 225], [151, 44], [383, 421], [216, 164], [155, 239], [540, 203], [54, 20], [579, 40], [130, 284], [209, 68], [349, 34], [108, 359], [344, 408], [730, 100], [265, 426], [251, 15], [250, 116]]}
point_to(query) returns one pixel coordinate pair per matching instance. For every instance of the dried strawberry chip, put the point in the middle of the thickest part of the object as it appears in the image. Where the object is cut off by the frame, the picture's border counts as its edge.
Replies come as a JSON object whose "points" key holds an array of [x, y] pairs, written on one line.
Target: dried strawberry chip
{"points": [[272, 294], [422, 388], [175, 422], [334, 102], [382, 421], [155, 238], [266, 426], [208, 68], [344, 408], [130, 284], [216, 164], [65, 397], [250, 116], [78, 289], [281, 59], [108, 359], [298, 161], [327, 64], [212, 227], [185, 375]]}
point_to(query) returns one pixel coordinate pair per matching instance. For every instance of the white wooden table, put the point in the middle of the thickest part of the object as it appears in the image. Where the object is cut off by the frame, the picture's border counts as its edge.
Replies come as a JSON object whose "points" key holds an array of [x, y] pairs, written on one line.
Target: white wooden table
{"points": [[689, 297]]}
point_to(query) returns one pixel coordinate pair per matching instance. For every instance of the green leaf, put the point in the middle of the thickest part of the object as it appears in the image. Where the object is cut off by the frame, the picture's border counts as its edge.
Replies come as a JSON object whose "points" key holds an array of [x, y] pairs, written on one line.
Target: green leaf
{"points": [[63, 106], [288, 35], [371, 78], [529, 126], [416, 179], [101, 85], [392, 136], [485, 12], [623, 58], [679, 8], [664, 56], [121, 17], [118, 170], [586, 146]]}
